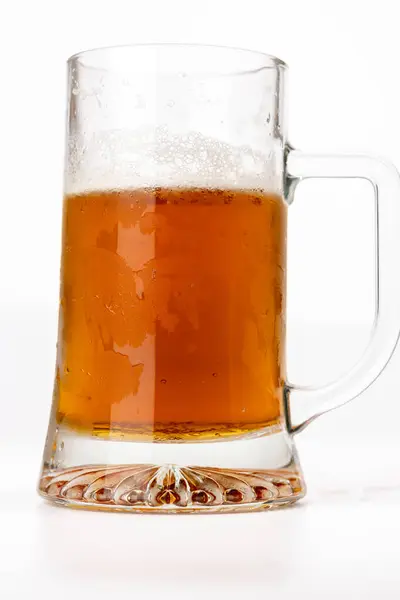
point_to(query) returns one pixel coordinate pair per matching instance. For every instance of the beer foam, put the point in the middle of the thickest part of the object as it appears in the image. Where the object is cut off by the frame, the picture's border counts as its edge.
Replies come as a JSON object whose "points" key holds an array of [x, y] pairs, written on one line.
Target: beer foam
{"points": [[124, 159]]}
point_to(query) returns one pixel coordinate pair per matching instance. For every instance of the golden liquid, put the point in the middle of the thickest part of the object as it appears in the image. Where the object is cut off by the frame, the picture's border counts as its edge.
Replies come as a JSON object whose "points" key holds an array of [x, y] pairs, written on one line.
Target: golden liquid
{"points": [[172, 313]]}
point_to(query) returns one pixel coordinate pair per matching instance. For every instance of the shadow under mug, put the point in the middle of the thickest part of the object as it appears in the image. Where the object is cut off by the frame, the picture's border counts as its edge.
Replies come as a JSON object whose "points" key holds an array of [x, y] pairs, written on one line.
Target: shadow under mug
{"points": [[171, 392]]}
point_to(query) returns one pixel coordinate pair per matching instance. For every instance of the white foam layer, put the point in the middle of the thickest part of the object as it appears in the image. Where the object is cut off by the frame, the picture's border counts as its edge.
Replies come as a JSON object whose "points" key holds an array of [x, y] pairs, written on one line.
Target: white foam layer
{"points": [[121, 159]]}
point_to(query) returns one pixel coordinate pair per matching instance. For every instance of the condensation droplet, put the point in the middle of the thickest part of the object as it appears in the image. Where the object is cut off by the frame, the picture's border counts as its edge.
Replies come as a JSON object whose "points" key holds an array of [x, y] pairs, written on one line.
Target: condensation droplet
{"points": [[139, 288], [215, 374], [163, 381]]}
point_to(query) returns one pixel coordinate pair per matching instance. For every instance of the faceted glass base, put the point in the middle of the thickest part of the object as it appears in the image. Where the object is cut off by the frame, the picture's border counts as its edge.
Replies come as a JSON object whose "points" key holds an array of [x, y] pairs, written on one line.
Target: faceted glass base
{"points": [[226, 476]]}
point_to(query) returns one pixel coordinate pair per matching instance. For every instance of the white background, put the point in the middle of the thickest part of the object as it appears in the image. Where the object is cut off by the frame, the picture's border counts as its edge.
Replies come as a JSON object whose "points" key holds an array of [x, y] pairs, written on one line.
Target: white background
{"points": [[344, 95]]}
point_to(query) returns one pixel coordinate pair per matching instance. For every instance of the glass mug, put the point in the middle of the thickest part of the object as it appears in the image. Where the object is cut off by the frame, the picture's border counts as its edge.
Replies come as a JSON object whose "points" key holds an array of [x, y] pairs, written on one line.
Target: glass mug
{"points": [[171, 392]]}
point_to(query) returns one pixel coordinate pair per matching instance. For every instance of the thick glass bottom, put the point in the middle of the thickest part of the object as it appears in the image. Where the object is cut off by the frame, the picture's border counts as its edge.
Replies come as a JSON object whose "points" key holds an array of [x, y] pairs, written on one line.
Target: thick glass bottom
{"points": [[225, 476]]}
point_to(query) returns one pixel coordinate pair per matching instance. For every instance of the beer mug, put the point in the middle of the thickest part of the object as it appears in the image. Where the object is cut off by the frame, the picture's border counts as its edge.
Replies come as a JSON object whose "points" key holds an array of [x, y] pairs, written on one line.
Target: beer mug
{"points": [[171, 393]]}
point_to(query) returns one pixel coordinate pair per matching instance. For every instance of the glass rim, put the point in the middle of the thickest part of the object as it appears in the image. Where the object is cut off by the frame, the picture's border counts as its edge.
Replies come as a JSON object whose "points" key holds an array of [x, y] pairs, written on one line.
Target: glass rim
{"points": [[268, 60]]}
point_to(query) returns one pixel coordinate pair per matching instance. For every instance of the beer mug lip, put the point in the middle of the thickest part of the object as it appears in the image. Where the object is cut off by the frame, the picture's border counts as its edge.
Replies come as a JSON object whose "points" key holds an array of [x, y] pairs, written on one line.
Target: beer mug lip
{"points": [[215, 59]]}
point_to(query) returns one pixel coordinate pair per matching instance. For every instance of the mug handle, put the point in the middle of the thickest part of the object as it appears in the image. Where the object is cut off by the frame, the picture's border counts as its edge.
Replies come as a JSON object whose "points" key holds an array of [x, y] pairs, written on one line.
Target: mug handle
{"points": [[303, 404]]}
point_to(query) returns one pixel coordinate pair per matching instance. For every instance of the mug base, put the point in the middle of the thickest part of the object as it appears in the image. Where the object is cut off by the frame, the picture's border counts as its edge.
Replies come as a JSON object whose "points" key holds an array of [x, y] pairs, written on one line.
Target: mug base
{"points": [[257, 473]]}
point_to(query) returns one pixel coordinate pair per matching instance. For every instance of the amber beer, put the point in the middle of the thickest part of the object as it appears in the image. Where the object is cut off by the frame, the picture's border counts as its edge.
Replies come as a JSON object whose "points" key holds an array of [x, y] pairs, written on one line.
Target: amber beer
{"points": [[172, 315]]}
